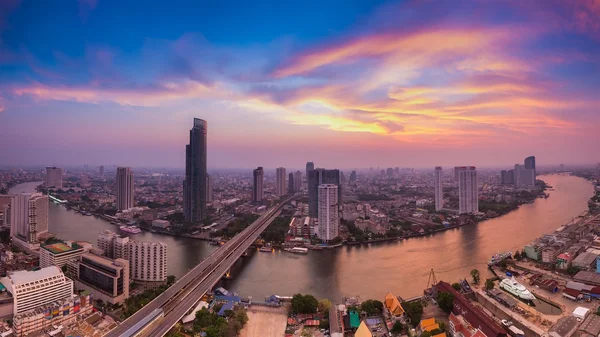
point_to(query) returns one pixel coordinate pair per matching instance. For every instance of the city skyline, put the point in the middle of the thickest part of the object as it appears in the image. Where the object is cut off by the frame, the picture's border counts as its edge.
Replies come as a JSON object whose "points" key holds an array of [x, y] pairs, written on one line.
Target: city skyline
{"points": [[437, 86]]}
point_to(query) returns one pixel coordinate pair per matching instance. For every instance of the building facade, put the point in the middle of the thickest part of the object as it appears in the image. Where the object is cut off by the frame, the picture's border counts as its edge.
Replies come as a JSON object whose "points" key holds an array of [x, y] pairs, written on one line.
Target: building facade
{"points": [[468, 198], [124, 188], [530, 165], [319, 177], [297, 181], [209, 191], [33, 289], [258, 176], [106, 279], [309, 167], [148, 261], [54, 177], [439, 189], [194, 185], [60, 253], [28, 219], [291, 181], [329, 221], [280, 181]]}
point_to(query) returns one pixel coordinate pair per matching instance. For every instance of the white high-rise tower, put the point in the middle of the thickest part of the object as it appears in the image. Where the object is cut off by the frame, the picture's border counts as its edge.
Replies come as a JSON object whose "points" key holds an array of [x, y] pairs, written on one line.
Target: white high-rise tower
{"points": [[468, 201], [329, 221], [281, 181], [439, 190]]}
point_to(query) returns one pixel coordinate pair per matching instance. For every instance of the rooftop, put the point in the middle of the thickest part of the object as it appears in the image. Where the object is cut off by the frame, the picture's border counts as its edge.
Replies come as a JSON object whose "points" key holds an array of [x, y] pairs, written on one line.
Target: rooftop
{"points": [[591, 325], [24, 276], [60, 247]]}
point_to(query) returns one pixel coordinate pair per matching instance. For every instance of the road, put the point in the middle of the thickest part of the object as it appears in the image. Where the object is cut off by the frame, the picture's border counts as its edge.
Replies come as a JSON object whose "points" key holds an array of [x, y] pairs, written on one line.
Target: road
{"points": [[182, 295]]}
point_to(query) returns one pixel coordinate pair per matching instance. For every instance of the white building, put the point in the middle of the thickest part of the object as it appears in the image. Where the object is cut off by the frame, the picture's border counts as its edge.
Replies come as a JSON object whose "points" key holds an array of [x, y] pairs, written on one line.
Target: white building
{"points": [[58, 254], [54, 177], [439, 190], [106, 242], [281, 186], [124, 188], [148, 261], [28, 219], [329, 221], [468, 201], [34, 289]]}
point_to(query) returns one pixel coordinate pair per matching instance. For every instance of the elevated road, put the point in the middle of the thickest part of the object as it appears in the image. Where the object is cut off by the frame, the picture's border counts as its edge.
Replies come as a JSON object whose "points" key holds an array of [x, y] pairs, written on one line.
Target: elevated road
{"points": [[186, 292]]}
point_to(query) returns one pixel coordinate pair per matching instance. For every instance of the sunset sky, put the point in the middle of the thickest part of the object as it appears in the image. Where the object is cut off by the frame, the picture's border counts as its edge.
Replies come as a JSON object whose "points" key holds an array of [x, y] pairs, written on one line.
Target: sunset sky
{"points": [[342, 83]]}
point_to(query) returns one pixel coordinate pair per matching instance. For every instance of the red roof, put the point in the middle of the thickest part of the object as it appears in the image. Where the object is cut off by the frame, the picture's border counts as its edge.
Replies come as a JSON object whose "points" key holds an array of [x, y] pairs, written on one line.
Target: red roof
{"points": [[571, 292]]}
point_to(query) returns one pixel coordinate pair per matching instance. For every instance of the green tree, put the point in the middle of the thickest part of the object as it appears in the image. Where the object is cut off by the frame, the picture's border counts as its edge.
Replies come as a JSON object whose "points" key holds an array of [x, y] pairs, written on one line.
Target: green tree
{"points": [[324, 305], [475, 276], [372, 307], [572, 270], [397, 328], [517, 255], [456, 286], [489, 284], [426, 334], [170, 280], [414, 311], [445, 301], [304, 304]]}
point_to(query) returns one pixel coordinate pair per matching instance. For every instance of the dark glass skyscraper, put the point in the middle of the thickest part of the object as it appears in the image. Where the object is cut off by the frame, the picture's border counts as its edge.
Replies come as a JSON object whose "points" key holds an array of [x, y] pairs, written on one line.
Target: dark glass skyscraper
{"points": [[257, 187], [194, 185], [318, 177], [530, 165]]}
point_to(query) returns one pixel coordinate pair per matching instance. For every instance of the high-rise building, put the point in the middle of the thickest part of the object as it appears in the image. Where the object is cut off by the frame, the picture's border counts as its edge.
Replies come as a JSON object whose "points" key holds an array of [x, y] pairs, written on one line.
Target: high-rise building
{"points": [[106, 242], [309, 167], [101, 171], [124, 188], [318, 177], [468, 201], [329, 221], [54, 177], [353, 176], [106, 279], [598, 172], [33, 289], [439, 189], [530, 165], [291, 181], [298, 181], [280, 181], [28, 219], [148, 261], [524, 177], [209, 191], [257, 187], [457, 169], [194, 185], [390, 172]]}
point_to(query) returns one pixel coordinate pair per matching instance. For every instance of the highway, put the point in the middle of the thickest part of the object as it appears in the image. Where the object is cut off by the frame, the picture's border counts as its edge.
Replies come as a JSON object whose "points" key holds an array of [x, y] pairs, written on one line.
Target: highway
{"points": [[186, 292]]}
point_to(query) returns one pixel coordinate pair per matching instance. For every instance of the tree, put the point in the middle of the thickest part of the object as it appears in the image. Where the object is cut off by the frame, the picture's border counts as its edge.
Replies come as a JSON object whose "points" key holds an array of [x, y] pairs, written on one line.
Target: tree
{"points": [[414, 310], [324, 305], [397, 328], [426, 334], [456, 286], [572, 270], [475, 276], [170, 280], [372, 307], [489, 284], [445, 301], [304, 304], [518, 255]]}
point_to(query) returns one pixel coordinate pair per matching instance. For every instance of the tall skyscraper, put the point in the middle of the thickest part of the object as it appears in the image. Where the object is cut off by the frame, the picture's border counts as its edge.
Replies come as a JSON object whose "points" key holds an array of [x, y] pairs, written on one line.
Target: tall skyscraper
{"points": [[257, 186], [353, 176], [329, 221], [318, 177], [124, 188], [309, 167], [457, 169], [101, 171], [209, 191], [28, 219], [194, 185], [291, 182], [524, 177], [280, 181], [468, 201], [54, 177], [298, 181], [530, 165], [439, 190]]}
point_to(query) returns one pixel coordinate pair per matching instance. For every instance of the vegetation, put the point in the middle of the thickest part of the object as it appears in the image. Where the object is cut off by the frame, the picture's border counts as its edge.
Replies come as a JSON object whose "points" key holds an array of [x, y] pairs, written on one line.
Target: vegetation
{"points": [[426, 334], [456, 286], [397, 328], [5, 236], [135, 303], [277, 230], [373, 197], [324, 306], [518, 256], [500, 208], [475, 276], [489, 284], [445, 301], [358, 234], [236, 226], [414, 311], [572, 270], [372, 307], [215, 326], [304, 304]]}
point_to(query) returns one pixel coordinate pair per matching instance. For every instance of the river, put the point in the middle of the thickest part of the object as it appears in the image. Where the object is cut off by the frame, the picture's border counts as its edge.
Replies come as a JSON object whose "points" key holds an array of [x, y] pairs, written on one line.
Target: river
{"points": [[369, 271]]}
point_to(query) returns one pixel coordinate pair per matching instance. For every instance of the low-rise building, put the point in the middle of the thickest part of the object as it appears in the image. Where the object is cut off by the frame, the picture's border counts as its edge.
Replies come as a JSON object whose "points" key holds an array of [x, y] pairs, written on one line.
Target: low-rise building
{"points": [[59, 253], [459, 327], [106, 279], [585, 261], [590, 327], [161, 223], [392, 305]]}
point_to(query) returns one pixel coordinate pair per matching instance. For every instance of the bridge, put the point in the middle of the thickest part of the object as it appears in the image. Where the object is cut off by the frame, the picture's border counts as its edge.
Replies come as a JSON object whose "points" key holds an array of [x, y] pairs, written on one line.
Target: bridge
{"points": [[182, 296]]}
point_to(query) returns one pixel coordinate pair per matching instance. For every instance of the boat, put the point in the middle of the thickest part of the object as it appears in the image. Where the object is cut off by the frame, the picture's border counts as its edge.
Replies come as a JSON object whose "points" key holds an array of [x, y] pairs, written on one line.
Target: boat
{"points": [[297, 250], [512, 286], [130, 229], [499, 257], [266, 249]]}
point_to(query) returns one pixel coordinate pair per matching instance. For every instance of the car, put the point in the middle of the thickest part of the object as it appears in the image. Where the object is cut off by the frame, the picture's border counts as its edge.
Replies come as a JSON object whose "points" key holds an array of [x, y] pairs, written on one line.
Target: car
{"points": [[506, 323]]}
